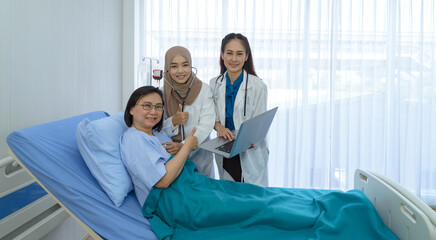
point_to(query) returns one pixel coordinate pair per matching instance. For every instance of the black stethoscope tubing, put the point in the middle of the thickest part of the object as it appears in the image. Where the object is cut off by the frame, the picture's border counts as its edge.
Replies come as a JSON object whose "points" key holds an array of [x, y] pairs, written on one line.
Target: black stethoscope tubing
{"points": [[183, 103], [245, 97]]}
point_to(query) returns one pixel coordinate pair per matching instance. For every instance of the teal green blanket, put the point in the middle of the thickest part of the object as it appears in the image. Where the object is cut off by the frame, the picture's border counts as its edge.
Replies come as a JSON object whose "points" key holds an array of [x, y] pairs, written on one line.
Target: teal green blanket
{"points": [[197, 207]]}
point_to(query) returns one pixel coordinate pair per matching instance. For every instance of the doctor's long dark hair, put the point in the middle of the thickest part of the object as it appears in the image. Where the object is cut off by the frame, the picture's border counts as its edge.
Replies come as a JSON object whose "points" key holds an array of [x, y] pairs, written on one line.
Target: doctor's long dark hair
{"points": [[248, 65]]}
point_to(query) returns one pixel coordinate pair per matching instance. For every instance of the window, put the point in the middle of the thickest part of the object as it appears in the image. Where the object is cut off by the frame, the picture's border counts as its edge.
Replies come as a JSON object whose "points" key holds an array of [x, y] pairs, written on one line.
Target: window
{"points": [[354, 81]]}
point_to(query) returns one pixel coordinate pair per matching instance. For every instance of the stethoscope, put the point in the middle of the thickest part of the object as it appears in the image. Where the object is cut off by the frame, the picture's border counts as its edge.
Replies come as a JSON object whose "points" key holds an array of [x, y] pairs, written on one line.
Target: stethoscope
{"points": [[246, 84], [183, 98]]}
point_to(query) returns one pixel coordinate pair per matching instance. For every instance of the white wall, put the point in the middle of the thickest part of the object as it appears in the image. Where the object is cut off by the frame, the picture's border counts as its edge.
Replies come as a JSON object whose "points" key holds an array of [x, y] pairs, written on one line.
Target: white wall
{"points": [[58, 58]]}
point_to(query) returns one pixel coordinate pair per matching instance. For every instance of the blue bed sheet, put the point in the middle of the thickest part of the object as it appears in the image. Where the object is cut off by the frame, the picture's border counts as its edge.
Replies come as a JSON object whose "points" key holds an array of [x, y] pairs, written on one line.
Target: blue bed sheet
{"points": [[50, 152]]}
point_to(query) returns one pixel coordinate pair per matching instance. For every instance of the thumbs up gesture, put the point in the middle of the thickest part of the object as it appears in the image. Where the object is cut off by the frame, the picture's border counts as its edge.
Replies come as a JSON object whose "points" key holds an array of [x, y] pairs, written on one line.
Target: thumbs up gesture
{"points": [[180, 118], [191, 141]]}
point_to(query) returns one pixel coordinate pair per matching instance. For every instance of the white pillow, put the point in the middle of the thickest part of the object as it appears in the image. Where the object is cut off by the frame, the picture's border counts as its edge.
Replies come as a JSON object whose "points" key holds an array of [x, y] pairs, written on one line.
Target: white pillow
{"points": [[98, 143]]}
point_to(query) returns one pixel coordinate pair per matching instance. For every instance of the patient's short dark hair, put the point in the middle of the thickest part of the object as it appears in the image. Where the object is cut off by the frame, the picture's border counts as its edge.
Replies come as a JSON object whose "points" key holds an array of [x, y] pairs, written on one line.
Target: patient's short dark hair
{"points": [[136, 95]]}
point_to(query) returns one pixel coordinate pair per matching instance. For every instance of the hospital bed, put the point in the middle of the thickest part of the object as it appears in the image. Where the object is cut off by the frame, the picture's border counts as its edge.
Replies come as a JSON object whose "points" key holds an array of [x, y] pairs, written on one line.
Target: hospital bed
{"points": [[49, 152], [26, 210]]}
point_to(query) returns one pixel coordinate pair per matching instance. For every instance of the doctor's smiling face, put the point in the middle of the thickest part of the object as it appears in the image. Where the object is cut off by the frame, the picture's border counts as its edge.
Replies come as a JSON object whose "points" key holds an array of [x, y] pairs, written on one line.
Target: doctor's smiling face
{"points": [[234, 56], [147, 112], [180, 71]]}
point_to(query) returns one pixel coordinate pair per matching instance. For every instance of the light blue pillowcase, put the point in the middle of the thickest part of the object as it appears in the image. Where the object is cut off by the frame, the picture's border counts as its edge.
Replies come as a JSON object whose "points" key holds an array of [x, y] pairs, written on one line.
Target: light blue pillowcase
{"points": [[98, 143]]}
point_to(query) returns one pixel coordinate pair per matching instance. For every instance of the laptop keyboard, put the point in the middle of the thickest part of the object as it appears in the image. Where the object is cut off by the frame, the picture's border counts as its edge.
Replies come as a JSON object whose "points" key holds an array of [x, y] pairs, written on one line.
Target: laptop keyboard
{"points": [[226, 147]]}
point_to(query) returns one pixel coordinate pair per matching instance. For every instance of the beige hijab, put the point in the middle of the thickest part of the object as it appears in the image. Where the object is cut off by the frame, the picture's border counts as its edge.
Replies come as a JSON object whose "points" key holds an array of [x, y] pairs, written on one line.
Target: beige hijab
{"points": [[172, 99]]}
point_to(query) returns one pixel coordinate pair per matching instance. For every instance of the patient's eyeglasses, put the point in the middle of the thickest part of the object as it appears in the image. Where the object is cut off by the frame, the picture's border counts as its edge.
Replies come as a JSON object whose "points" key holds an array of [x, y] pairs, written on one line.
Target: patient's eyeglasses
{"points": [[149, 106]]}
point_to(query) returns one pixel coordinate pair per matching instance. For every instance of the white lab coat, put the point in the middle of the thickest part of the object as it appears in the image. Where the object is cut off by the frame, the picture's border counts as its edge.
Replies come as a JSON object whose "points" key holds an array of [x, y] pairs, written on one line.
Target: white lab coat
{"points": [[254, 162], [201, 116]]}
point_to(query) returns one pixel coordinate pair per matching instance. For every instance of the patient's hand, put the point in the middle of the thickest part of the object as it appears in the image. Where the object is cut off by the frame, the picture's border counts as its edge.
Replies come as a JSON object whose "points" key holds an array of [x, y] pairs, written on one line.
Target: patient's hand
{"points": [[172, 147], [191, 141]]}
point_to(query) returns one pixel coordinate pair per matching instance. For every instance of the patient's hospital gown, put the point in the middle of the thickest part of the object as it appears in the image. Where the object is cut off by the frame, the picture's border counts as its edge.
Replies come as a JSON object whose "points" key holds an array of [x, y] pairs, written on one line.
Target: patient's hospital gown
{"points": [[197, 207], [145, 158]]}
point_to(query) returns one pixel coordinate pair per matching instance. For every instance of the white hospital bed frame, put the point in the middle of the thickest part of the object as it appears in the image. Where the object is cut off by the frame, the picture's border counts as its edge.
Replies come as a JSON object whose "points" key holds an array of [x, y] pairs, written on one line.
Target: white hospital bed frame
{"points": [[34, 220], [405, 214], [91, 232]]}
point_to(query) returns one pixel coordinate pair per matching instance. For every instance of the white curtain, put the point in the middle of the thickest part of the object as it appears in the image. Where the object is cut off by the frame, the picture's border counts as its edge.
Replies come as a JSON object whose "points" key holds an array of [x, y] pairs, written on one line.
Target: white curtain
{"points": [[355, 81]]}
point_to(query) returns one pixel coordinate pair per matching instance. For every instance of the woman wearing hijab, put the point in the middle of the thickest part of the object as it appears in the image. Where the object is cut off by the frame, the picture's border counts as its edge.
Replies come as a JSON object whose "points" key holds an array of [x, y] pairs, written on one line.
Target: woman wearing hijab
{"points": [[188, 104]]}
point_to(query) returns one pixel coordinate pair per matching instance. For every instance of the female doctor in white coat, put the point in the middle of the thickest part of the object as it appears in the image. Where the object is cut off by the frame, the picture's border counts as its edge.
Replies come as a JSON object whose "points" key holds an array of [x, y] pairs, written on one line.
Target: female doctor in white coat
{"points": [[239, 95], [188, 104]]}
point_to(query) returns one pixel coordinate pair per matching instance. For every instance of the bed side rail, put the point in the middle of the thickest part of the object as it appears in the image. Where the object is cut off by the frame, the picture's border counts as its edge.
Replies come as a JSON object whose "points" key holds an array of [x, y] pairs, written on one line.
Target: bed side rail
{"points": [[403, 217], [12, 176], [31, 221], [63, 211], [426, 209]]}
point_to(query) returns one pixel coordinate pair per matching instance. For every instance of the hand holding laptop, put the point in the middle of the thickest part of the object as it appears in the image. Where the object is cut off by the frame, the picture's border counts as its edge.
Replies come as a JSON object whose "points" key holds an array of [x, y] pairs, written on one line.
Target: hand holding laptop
{"points": [[252, 146], [250, 132], [224, 132]]}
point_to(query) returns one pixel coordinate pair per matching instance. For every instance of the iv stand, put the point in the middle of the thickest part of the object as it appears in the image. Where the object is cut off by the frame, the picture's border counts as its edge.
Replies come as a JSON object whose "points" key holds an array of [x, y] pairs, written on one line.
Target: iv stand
{"points": [[151, 67]]}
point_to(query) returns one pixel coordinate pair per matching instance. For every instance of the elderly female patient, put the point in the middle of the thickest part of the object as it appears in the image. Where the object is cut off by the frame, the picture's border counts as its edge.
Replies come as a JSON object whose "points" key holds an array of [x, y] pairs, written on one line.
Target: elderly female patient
{"points": [[141, 146], [180, 203]]}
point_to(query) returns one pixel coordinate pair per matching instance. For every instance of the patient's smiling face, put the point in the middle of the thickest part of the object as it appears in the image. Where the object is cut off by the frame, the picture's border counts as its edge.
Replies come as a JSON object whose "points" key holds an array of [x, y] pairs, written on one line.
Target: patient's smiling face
{"points": [[143, 119]]}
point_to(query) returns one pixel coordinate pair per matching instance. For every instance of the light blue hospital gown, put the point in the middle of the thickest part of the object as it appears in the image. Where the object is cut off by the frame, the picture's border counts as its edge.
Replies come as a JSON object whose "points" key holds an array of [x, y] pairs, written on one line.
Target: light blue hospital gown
{"points": [[145, 158]]}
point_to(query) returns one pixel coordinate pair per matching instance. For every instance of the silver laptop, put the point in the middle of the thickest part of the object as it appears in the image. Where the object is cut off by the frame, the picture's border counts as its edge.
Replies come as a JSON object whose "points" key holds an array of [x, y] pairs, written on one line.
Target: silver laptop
{"points": [[251, 132]]}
